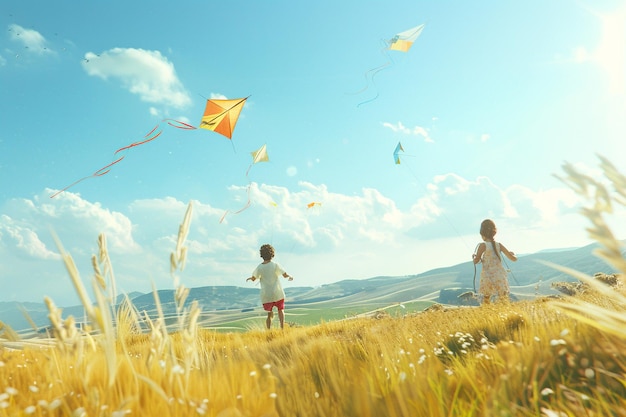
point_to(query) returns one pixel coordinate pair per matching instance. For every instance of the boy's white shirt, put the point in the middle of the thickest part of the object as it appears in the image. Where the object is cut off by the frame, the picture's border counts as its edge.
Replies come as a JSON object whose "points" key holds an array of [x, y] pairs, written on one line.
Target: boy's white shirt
{"points": [[269, 275]]}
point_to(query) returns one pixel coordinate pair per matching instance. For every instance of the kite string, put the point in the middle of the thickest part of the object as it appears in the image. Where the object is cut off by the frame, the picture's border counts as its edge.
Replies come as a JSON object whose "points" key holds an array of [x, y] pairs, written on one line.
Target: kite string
{"points": [[443, 214], [459, 234]]}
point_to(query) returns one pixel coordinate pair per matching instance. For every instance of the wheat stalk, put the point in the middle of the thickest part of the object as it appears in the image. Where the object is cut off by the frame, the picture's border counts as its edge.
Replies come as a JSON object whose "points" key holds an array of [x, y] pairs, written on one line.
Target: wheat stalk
{"points": [[600, 205]]}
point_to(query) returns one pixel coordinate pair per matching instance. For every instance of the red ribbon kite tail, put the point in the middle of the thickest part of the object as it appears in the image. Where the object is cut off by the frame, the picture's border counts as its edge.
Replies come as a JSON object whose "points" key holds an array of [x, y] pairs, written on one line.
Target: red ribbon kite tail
{"points": [[104, 170], [150, 136], [179, 125], [247, 205]]}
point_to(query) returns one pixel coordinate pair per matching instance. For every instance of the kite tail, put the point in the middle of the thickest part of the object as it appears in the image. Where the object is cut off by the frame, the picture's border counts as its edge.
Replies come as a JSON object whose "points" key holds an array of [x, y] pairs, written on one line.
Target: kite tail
{"points": [[179, 125], [372, 71], [248, 170], [372, 74], [148, 137], [247, 205], [69, 186], [104, 170], [369, 100]]}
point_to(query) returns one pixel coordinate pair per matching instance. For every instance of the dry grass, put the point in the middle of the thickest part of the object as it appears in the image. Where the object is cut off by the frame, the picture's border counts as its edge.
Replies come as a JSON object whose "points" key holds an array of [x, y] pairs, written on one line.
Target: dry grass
{"points": [[504, 359], [532, 358]]}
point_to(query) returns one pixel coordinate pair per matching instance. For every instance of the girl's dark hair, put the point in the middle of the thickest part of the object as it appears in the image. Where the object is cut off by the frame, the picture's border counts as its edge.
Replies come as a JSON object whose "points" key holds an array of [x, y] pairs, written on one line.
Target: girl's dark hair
{"points": [[267, 252], [488, 230]]}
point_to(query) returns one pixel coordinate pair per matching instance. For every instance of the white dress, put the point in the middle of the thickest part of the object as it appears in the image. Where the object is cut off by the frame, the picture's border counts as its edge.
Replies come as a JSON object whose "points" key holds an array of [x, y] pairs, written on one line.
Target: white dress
{"points": [[493, 276]]}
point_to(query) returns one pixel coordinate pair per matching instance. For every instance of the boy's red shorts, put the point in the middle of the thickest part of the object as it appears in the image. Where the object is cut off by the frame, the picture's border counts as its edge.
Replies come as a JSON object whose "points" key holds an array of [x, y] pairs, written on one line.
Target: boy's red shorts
{"points": [[280, 304]]}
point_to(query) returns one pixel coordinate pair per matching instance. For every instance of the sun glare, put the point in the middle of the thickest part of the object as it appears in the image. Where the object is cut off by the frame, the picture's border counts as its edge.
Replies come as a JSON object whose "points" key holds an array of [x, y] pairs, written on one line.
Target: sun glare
{"points": [[610, 53]]}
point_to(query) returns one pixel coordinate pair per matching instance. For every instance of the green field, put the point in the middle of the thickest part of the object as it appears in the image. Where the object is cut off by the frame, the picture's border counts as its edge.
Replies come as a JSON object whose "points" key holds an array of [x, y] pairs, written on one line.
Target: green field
{"points": [[309, 314]]}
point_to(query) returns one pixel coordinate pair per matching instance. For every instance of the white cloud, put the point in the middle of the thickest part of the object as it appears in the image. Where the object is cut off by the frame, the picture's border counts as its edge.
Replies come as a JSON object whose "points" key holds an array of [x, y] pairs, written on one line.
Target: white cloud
{"points": [[460, 205], [148, 74], [414, 131], [3, 61], [24, 239], [31, 40]]}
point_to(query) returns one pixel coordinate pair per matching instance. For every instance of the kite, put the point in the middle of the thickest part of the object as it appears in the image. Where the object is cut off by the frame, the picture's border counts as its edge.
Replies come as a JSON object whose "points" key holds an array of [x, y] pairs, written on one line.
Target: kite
{"points": [[260, 155], [313, 204], [396, 153], [400, 42], [220, 116], [404, 40]]}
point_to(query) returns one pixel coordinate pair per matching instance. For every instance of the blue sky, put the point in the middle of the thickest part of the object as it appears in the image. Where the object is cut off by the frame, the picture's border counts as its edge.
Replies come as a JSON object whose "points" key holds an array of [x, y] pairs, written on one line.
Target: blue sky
{"points": [[488, 104]]}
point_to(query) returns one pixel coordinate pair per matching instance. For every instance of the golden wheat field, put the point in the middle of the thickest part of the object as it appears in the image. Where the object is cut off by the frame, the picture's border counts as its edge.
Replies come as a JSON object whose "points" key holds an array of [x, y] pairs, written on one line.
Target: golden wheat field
{"points": [[547, 357]]}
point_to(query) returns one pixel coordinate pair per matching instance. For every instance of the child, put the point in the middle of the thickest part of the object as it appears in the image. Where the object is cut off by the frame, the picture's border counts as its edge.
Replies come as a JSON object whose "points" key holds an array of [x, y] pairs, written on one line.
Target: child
{"points": [[272, 293], [493, 276]]}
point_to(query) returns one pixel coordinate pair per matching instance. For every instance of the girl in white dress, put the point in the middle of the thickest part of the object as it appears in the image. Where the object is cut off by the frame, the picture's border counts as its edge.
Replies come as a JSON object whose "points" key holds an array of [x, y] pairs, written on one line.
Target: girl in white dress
{"points": [[493, 275]]}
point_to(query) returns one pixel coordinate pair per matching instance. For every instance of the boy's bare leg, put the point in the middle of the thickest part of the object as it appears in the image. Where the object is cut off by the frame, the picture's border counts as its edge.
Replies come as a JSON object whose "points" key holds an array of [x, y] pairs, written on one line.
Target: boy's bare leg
{"points": [[268, 321], [281, 318]]}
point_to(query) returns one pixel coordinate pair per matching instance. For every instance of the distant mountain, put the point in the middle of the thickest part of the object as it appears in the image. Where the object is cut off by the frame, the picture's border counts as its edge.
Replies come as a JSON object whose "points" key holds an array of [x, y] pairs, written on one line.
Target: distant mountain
{"points": [[528, 278]]}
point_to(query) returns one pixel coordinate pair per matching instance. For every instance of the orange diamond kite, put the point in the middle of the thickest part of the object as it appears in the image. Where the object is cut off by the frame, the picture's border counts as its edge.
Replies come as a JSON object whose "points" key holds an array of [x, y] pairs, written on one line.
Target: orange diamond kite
{"points": [[220, 115]]}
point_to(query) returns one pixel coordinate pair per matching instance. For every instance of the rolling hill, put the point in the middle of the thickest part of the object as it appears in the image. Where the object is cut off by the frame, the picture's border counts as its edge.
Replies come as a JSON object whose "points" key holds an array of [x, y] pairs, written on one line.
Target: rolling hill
{"points": [[224, 305]]}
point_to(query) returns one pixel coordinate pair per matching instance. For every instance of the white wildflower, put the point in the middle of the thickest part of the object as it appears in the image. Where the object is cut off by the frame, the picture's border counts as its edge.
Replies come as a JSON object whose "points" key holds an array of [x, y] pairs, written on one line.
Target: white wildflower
{"points": [[79, 412], [545, 412], [54, 404]]}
